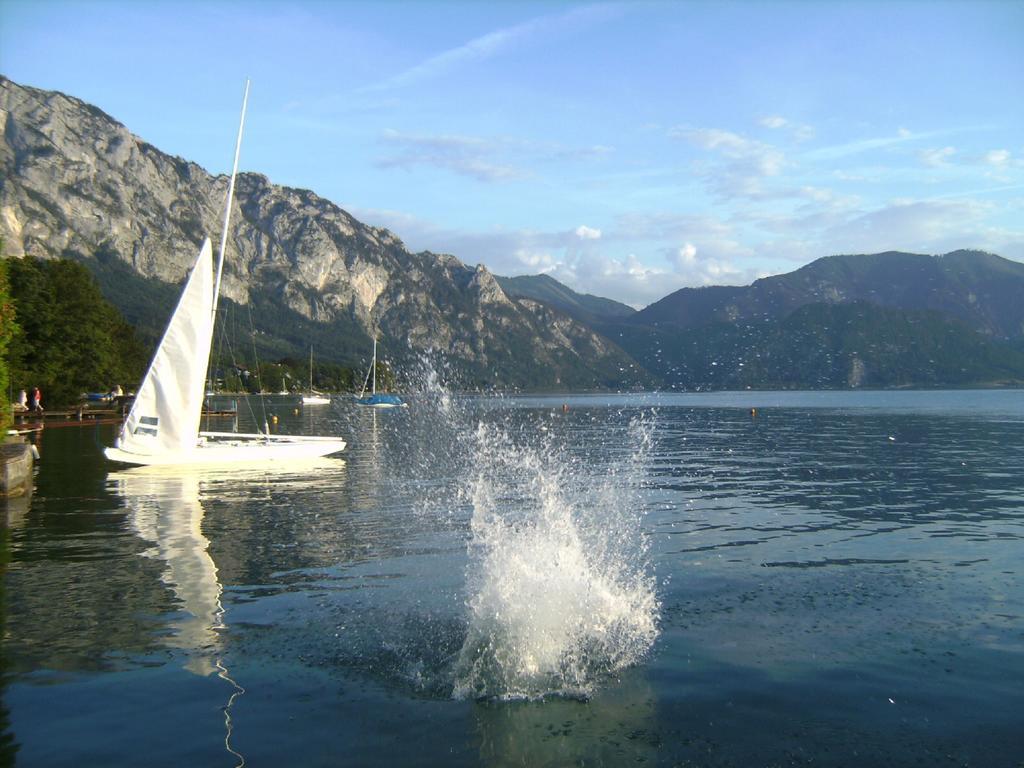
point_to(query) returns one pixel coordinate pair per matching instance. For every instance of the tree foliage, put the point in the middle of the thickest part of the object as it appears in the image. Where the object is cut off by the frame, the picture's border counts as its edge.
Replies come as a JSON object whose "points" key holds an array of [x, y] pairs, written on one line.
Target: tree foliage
{"points": [[69, 339], [8, 328]]}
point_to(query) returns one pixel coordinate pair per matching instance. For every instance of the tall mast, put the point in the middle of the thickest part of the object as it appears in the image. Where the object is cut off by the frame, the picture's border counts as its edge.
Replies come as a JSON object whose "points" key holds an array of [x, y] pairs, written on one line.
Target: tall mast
{"points": [[227, 205], [373, 366]]}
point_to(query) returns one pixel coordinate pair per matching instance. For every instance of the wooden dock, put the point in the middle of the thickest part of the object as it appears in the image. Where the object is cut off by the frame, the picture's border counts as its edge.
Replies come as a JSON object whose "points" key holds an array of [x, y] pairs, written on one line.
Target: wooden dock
{"points": [[69, 416], [82, 416]]}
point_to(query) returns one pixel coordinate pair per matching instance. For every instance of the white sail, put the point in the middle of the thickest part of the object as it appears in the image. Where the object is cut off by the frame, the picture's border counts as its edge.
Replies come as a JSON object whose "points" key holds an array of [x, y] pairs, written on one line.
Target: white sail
{"points": [[168, 407], [314, 397], [162, 427]]}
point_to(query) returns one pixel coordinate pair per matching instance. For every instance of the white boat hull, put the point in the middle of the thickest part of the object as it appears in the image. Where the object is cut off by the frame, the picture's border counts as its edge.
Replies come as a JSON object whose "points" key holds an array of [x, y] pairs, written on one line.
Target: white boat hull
{"points": [[314, 400], [235, 451]]}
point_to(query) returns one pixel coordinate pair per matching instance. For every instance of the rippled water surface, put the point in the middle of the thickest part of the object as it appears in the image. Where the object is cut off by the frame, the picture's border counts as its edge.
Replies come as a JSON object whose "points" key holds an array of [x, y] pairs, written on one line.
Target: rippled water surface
{"points": [[828, 579]]}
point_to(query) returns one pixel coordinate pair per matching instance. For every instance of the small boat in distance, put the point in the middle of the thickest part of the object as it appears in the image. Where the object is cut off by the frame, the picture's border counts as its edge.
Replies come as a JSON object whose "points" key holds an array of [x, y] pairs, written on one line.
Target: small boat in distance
{"points": [[162, 427], [313, 397], [374, 400]]}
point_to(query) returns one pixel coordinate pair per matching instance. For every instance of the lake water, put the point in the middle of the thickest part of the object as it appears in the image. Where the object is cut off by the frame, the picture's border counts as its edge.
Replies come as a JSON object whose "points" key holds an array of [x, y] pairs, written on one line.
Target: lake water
{"points": [[836, 579]]}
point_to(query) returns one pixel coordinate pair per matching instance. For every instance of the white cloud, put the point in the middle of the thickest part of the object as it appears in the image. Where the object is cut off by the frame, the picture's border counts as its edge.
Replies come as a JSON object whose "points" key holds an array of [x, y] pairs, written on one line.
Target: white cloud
{"points": [[929, 226], [583, 232], [796, 131], [690, 269], [804, 133], [937, 157], [701, 250], [999, 158], [684, 257], [584, 264], [747, 162], [487, 159], [715, 237], [625, 279], [867, 145], [727, 142], [774, 122], [464, 155]]}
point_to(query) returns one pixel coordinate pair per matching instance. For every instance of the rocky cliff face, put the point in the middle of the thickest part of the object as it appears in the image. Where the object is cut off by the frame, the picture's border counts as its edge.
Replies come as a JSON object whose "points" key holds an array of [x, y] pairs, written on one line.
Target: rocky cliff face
{"points": [[76, 183]]}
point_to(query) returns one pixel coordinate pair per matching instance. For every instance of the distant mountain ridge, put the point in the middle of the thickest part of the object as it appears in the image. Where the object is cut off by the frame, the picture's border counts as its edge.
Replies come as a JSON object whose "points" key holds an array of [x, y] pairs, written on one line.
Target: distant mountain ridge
{"points": [[584, 307], [981, 289], [878, 320]]}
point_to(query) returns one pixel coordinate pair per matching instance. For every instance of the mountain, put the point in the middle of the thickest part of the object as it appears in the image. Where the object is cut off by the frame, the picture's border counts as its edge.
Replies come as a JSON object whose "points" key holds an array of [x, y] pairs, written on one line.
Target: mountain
{"points": [[77, 184], [828, 346], [880, 320], [584, 307], [981, 289]]}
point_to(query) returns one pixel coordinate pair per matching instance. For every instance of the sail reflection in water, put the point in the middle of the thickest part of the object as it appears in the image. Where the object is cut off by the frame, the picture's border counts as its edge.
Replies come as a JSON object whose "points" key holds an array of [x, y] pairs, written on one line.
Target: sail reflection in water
{"points": [[164, 510]]}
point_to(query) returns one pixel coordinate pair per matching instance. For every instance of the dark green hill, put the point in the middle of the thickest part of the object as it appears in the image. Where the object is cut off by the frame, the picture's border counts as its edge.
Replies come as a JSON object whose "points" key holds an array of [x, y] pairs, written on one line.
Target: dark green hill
{"points": [[981, 289], [826, 346], [584, 307]]}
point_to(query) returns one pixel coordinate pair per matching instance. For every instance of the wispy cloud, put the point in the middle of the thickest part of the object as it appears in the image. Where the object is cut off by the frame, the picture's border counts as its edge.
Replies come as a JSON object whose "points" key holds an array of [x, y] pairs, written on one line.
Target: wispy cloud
{"points": [[747, 162], [936, 158], [774, 122], [587, 259], [492, 44], [486, 159], [902, 136], [998, 158], [798, 131], [928, 226], [469, 156]]}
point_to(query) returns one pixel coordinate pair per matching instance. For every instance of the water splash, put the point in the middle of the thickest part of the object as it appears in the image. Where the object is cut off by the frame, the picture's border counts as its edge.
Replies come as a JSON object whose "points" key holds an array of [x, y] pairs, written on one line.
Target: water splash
{"points": [[560, 594]]}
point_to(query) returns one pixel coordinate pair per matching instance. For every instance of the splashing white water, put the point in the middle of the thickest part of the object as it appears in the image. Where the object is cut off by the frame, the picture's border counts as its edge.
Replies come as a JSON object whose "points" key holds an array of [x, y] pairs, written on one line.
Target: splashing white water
{"points": [[559, 590]]}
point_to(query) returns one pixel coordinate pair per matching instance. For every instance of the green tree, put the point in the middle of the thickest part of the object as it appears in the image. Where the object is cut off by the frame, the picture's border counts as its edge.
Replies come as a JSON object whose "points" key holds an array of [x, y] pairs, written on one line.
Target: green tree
{"points": [[8, 328], [70, 340]]}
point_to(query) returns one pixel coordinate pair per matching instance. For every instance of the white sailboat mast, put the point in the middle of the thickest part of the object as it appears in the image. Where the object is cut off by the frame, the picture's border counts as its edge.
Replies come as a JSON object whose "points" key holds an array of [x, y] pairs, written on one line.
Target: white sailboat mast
{"points": [[227, 205], [373, 366]]}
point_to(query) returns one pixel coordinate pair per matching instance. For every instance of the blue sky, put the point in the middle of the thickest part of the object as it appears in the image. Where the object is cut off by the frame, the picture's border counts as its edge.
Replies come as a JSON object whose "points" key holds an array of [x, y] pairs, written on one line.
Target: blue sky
{"points": [[626, 149]]}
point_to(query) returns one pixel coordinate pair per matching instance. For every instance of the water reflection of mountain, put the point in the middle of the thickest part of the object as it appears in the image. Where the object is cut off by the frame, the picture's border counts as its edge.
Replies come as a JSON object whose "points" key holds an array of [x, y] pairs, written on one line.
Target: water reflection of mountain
{"points": [[79, 598]]}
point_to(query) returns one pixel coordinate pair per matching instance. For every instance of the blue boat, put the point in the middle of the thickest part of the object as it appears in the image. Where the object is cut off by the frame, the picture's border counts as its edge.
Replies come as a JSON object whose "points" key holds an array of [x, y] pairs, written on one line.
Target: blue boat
{"points": [[382, 401], [374, 400]]}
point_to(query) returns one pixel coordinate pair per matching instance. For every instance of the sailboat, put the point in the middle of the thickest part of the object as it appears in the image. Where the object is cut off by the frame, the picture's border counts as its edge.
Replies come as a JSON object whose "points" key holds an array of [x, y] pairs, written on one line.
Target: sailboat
{"points": [[162, 427], [375, 400], [314, 397]]}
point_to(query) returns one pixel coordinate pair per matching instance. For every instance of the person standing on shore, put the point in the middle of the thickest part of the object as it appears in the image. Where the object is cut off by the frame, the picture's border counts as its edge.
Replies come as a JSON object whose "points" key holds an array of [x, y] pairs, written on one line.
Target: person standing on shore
{"points": [[35, 400]]}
